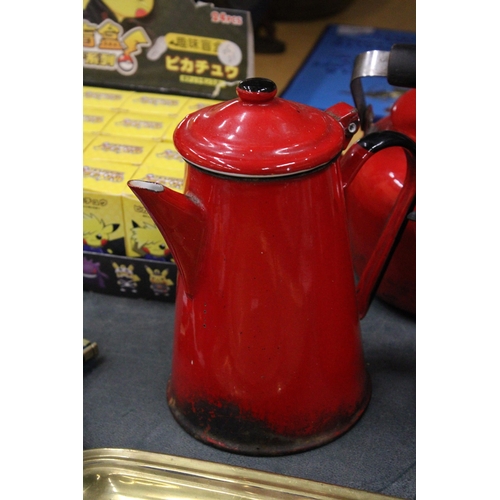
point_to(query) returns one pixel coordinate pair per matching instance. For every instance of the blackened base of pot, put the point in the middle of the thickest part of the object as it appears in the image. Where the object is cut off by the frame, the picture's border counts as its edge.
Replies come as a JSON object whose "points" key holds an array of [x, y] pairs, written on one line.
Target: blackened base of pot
{"points": [[225, 427]]}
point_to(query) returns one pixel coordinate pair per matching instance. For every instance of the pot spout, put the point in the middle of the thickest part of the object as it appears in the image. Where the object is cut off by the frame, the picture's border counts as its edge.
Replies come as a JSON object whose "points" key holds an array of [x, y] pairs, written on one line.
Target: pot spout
{"points": [[181, 222]]}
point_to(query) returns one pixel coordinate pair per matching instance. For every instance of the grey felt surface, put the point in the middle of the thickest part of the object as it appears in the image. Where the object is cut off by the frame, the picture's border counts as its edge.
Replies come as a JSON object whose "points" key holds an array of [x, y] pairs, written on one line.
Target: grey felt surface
{"points": [[125, 406]]}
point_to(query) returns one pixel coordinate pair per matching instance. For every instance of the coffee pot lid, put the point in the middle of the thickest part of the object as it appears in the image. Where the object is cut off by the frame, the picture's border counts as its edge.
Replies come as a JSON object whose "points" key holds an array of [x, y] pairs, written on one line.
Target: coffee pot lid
{"points": [[258, 134]]}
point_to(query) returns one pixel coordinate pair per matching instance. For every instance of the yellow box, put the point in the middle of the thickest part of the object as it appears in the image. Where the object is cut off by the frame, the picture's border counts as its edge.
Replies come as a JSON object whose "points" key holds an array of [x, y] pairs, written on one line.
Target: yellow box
{"points": [[140, 125], [164, 165], [195, 104], [142, 237], [103, 223], [163, 104], [87, 139], [130, 150], [95, 119], [97, 97], [169, 134]]}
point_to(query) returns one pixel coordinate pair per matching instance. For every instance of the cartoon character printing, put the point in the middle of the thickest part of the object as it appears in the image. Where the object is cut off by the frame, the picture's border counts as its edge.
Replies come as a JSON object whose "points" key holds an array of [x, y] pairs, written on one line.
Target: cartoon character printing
{"points": [[149, 243], [126, 278], [122, 11], [92, 273], [96, 233], [120, 26], [160, 284]]}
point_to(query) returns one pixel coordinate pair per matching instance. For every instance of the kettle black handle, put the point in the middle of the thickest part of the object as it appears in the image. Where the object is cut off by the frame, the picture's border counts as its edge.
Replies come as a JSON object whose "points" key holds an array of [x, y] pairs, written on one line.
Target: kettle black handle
{"points": [[350, 165], [402, 65], [399, 66]]}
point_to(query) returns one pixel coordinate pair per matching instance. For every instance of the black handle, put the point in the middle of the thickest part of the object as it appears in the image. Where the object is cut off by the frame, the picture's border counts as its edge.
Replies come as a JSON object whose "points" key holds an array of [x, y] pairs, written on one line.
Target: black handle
{"points": [[258, 84], [402, 65], [350, 164]]}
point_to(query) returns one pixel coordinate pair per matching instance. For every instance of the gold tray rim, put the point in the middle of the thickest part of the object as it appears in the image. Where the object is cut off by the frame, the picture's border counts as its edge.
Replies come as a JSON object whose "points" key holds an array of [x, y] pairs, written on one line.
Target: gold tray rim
{"points": [[168, 467]]}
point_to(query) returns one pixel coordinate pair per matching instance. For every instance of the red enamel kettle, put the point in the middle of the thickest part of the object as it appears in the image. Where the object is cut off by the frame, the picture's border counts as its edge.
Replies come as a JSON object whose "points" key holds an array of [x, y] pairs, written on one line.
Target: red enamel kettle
{"points": [[267, 356], [371, 195]]}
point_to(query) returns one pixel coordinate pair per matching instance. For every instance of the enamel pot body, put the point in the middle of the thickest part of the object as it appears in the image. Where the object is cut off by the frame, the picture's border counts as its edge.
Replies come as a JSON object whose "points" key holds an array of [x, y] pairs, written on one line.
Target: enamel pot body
{"points": [[369, 201], [267, 356]]}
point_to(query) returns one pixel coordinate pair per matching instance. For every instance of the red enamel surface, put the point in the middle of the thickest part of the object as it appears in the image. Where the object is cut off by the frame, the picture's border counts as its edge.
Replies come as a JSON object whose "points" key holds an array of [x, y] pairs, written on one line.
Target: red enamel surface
{"points": [[266, 339], [369, 200], [273, 326], [259, 135]]}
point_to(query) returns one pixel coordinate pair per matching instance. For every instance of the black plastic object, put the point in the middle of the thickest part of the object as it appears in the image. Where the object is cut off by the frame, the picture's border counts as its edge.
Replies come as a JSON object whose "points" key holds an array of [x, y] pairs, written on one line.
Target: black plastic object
{"points": [[258, 84], [306, 10], [402, 66]]}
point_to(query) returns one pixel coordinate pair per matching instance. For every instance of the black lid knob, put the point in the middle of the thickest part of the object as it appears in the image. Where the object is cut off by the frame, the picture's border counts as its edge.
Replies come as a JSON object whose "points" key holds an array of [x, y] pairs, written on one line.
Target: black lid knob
{"points": [[258, 84], [256, 90]]}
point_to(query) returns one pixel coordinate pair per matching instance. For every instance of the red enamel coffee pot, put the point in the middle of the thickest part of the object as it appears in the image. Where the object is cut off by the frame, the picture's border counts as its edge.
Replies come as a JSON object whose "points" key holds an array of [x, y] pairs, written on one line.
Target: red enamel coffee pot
{"points": [[267, 356], [371, 195]]}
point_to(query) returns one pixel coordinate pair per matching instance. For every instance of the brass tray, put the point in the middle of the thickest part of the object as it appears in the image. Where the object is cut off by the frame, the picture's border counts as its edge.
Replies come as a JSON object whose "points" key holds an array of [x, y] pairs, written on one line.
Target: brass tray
{"points": [[110, 473]]}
